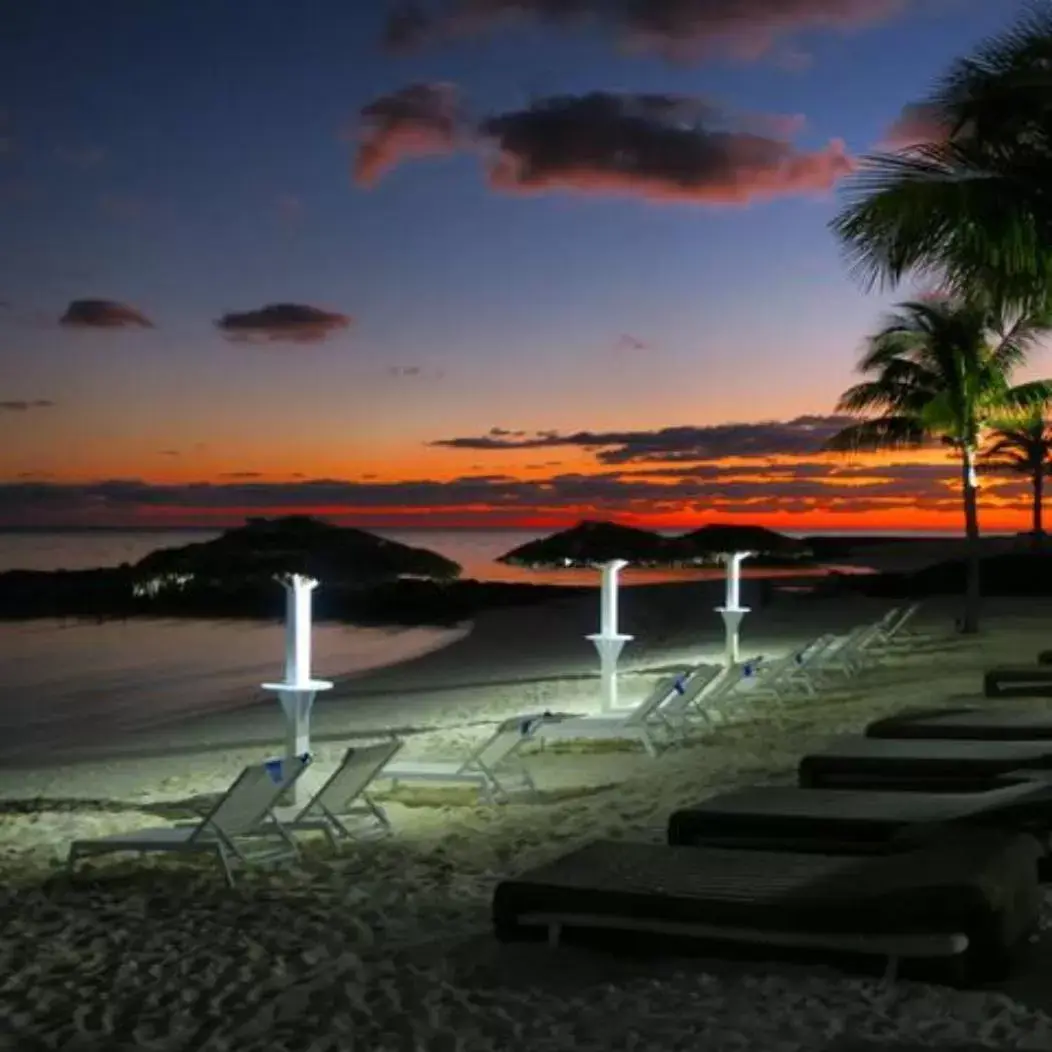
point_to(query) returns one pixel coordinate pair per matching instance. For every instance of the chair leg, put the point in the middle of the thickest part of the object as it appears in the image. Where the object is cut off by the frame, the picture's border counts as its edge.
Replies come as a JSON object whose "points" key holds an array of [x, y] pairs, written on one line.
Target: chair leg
{"points": [[224, 862]]}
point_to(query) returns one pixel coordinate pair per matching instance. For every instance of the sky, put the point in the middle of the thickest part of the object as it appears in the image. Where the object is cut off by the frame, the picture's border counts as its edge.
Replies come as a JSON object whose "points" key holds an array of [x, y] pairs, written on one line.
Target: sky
{"points": [[481, 263]]}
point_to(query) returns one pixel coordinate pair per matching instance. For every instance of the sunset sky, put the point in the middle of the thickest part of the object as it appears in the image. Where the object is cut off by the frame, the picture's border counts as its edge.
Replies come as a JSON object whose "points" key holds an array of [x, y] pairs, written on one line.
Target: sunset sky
{"points": [[393, 267]]}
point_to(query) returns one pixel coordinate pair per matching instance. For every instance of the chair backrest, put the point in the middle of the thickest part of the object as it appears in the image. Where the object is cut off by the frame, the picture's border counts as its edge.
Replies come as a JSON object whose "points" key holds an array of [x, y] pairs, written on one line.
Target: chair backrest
{"points": [[847, 645], [689, 689], [664, 689], [256, 790], [893, 628], [508, 736], [359, 766]]}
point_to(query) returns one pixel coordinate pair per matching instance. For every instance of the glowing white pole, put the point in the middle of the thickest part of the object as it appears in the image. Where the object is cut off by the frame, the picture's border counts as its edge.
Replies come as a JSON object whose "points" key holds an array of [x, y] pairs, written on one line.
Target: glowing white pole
{"points": [[609, 642], [297, 692], [732, 611]]}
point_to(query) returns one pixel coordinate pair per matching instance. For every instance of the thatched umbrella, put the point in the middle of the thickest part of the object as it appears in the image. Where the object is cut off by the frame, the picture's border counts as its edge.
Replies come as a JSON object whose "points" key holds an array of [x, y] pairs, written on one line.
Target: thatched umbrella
{"points": [[591, 543]]}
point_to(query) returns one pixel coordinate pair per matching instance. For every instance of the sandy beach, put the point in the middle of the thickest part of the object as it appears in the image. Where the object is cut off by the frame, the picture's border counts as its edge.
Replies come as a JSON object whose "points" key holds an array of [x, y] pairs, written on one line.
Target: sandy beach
{"points": [[385, 946]]}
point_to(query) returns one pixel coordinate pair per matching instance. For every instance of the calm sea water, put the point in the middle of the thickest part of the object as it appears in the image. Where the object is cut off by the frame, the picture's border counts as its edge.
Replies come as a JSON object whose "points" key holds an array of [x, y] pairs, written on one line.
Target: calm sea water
{"points": [[67, 681]]}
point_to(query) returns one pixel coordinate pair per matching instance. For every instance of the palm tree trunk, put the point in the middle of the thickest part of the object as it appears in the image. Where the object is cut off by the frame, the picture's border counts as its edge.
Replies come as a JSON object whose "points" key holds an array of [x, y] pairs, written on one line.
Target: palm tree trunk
{"points": [[970, 621], [1039, 495]]}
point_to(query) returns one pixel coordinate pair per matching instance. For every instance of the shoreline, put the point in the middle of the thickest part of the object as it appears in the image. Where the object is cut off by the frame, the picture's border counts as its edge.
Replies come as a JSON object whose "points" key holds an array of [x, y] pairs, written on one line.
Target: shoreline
{"points": [[359, 942]]}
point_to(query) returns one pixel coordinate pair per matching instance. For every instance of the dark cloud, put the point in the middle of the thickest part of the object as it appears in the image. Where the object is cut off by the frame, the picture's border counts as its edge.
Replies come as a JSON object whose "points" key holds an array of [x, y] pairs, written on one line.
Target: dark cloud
{"points": [[283, 322], [169, 453], [658, 147], [892, 487], [680, 30], [240, 475], [627, 342], [20, 405], [803, 435], [916, 124], [404, 370], [417, 121], [103, 314]]}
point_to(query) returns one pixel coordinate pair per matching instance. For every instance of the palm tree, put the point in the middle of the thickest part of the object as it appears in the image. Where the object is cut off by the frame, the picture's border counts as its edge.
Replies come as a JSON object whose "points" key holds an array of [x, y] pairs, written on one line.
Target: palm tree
{"points": [[1024, 448], [974, 207], [940, 369]]}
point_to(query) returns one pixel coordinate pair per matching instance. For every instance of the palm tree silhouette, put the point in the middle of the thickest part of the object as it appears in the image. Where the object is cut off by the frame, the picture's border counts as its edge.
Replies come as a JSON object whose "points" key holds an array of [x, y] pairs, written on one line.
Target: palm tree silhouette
{"points": [[1024, 448], [972, 207], [940, 369]]}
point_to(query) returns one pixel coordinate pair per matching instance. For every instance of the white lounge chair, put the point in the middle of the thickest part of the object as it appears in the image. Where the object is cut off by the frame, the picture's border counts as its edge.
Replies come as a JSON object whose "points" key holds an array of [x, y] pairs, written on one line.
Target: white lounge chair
{"points": [[344, 794], [480, 768], [895, 624], [789, 674], [235, 823], [847, 654], [629, 724]]}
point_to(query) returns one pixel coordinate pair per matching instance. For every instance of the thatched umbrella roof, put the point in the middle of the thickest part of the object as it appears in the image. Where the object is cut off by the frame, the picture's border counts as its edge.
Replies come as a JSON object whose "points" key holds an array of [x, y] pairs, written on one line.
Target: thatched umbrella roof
{"points": [[589, 543], [298, 544], [717, 539]]}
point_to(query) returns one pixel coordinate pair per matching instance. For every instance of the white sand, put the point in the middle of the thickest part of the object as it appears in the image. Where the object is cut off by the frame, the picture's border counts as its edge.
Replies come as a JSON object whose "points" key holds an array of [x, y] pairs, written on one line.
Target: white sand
{"points": [[386, 947]]}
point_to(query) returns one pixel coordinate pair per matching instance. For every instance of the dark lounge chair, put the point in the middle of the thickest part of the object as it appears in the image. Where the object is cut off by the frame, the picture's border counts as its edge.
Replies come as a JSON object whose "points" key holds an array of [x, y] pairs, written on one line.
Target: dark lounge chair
{"points": [[854, 821], [970, 900], [1018, 681], [965, 724], [878, 763]]}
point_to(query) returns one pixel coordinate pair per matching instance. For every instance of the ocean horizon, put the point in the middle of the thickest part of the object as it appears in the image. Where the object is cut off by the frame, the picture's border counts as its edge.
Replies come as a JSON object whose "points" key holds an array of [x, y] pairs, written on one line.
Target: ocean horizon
{"points": [[475, 549]]}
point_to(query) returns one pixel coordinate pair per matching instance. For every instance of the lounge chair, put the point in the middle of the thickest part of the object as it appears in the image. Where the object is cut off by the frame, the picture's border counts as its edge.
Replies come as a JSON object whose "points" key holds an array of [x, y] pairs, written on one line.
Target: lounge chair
{"points": [[895, 623], [1018, 681], [641, 723], [876, 763], [847, 654], [971, 898], [480, 767], [964, 724], [344, 794], [231, 831], [847, 821]]}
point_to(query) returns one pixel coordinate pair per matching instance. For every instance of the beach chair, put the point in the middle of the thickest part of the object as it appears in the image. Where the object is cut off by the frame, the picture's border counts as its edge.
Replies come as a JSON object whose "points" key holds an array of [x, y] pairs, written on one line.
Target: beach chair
{"points": [[1018, 681], [344, 794], [850, 821], [970, 898], [848, 654], [692, 697], [481, 767], [965, 723], [929, 765], [897, 621], [641, 723], [792, 673], [232, 831]]}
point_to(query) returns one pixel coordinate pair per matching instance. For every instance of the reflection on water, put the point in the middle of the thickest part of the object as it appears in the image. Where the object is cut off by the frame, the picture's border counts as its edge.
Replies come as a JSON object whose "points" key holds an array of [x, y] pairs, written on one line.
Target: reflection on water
{"points": [[67, 680]]}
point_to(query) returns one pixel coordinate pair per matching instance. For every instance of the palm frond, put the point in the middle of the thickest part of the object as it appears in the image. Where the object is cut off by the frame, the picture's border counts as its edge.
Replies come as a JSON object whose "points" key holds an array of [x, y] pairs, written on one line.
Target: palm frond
{"points": [[886, 432]]}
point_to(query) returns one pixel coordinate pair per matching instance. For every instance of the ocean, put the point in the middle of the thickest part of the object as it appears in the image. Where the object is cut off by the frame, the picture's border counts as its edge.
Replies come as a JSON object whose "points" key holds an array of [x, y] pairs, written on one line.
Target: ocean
{"points": [[67, 680]]}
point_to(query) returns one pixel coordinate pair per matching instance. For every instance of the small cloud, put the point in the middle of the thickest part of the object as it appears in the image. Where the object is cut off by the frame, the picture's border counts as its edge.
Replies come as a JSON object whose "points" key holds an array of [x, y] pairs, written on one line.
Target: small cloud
{"points": [[103, 314], [627, 342], [418, 121], [677, 30], [917, 123], [81, 156], [120, 206], [404, 370], [240, 474], [290, 207], [283, 322], [169, 453], [35, 475], [20, 405]]}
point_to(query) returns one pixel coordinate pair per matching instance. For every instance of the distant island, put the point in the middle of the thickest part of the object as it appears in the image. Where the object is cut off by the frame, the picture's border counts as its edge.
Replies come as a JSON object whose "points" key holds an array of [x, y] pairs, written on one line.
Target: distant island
{"points": [[370, 580]]}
